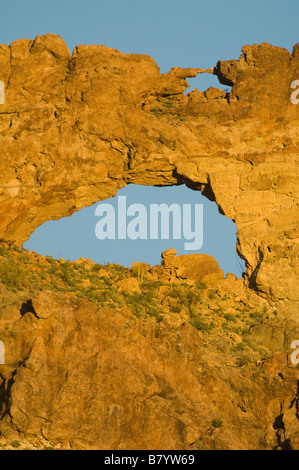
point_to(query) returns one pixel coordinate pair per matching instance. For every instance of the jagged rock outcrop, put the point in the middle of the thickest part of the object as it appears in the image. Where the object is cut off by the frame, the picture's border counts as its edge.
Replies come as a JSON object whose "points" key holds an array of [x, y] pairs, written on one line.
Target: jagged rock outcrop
{"points": [[197, 267], [194, 268], [75, 128]]}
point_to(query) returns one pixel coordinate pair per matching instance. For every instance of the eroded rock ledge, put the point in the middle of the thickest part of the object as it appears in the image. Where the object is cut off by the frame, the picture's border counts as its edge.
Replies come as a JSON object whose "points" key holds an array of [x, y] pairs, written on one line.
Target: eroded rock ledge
{"points": [[75, 128]]}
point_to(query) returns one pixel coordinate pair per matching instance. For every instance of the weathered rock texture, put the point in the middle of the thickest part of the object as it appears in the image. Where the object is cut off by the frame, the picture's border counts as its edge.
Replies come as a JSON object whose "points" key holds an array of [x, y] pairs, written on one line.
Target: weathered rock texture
{"points": [[110, 359], [77, 378], [75, 128], [197, 267], [138, 366]]}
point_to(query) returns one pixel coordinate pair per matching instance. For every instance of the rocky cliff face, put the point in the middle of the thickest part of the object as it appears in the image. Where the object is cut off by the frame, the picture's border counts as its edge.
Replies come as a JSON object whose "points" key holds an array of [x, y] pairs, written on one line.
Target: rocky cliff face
{"points": [[73, 130], [103, 357]]}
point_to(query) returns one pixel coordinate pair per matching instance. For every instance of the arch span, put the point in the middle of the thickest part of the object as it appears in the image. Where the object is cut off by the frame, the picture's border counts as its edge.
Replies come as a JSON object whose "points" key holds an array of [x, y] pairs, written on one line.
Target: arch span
{"points": [[102, 119]]}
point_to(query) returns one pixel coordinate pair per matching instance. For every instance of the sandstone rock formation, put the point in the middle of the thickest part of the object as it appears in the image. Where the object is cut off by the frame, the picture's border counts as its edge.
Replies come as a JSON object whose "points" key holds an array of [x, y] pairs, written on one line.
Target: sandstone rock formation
{"points": [[196, 267], [104, 357], [75, 128]]}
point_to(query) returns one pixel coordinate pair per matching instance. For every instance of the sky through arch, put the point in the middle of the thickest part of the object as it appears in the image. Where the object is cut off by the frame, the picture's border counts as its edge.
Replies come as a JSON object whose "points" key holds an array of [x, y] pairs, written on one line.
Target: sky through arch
{"points": [[74, 236]]}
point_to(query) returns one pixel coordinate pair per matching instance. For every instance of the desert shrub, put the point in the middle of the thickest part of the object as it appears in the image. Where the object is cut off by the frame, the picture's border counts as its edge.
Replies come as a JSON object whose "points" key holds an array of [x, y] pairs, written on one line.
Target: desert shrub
{"points": [[200, 285], [239, 347], [23, 258], [230, 317], [192, 298], [263, 352], [15, 444], [54, 268], [176, 308], [50, 259], [217, 423], [116, 297], [97, 266], [174, 292], [67, 275], [156, 111], [13, 275], [201, 324], [168, 103], [212, 294], [133, 302], [154, 312], [144, 303], [118, 270], [256, 315], [245, 332], [186, 296]]}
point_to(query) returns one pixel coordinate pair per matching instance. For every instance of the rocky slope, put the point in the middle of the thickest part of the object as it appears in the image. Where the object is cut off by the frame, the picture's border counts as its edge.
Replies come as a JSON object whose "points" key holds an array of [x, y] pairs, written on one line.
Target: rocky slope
{"points": [[75, 128], [174, 356], [103, 357]]}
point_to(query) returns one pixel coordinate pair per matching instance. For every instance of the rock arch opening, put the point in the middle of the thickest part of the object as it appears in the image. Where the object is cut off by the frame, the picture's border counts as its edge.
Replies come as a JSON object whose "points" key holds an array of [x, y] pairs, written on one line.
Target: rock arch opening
{"points": [[74, 237], [203, 81]]}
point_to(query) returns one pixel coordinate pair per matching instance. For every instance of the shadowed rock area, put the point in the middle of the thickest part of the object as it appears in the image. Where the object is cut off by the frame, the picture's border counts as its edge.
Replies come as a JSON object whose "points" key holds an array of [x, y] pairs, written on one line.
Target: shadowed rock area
{"points": [[175, 356]]}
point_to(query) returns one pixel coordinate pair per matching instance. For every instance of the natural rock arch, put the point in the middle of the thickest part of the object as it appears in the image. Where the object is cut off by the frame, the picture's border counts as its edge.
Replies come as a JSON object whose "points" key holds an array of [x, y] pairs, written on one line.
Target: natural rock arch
{"points": [[78, 127]]}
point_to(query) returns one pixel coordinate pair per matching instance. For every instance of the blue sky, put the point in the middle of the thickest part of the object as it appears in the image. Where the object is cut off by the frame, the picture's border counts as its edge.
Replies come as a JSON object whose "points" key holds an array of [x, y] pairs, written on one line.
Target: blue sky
{"points": [[183, 33], [72, 237]]}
